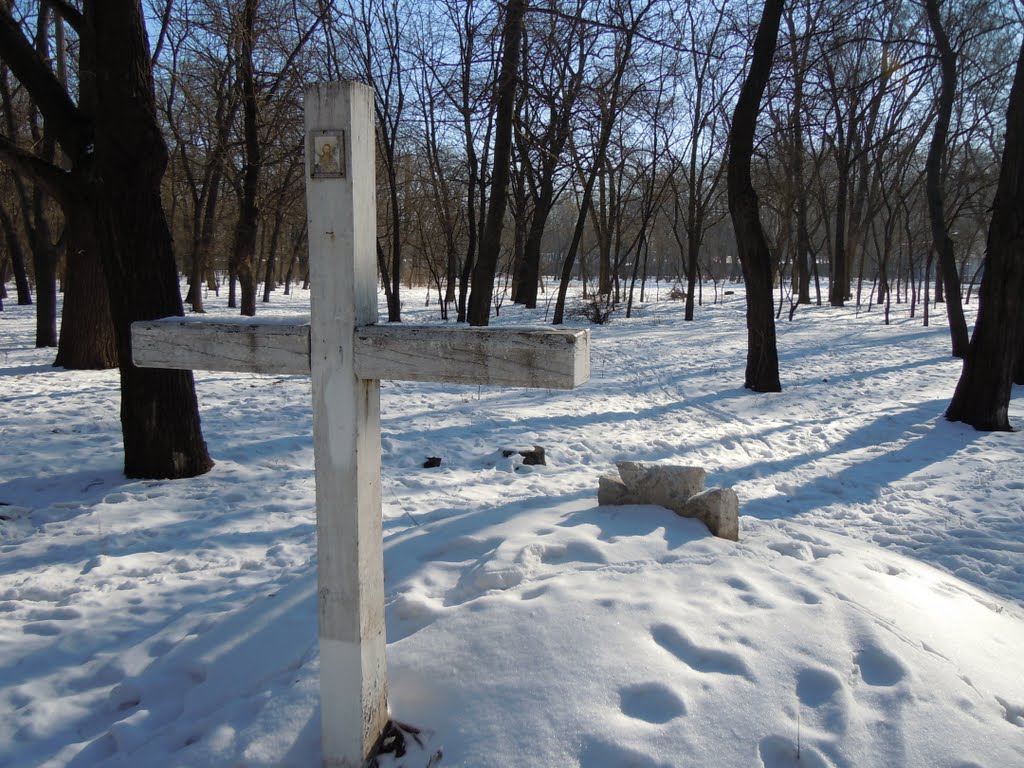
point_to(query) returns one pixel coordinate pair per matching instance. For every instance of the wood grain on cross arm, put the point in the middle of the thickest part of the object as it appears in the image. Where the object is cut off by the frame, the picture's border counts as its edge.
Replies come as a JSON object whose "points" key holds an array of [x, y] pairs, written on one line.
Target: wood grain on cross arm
{"points": [[544, 358], [208, 345]]}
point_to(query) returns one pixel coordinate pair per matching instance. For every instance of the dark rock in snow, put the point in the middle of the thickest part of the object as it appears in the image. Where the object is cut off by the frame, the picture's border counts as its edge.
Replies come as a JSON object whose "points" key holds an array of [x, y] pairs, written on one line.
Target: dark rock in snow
{"points": [[531, 457]]}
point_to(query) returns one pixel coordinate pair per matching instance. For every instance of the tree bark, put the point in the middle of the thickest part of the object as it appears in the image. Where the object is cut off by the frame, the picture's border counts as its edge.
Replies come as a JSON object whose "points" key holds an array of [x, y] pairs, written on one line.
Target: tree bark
{"points": [[1018, 376], [243, 250], [839, 285], [799, 52], [993, 359], [479, 310], [159, 411], [762, 372], [936, 207], [44, 265], [17, 254], [213, 177], [86, 330]]}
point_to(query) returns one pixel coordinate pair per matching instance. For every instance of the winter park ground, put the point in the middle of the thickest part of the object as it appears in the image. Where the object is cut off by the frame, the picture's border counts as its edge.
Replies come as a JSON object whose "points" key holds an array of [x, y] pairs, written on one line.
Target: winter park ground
{"points": [[872, 613]]}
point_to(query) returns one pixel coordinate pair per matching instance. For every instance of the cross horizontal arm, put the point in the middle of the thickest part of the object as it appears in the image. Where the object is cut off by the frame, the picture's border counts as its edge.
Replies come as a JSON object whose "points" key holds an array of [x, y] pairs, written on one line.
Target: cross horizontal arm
{"points": [[210, 345], [513, 357], [542, 358]]}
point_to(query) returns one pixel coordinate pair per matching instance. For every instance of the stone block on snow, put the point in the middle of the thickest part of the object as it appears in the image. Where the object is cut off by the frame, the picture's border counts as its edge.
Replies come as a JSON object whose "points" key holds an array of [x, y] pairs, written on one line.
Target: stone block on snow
{"points": [[663, 484], [611, 491], [718, 509], [679, 488]]}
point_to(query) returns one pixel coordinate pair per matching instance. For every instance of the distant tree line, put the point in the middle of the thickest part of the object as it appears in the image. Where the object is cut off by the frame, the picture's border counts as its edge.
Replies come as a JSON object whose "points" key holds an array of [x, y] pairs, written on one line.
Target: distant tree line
{"points": [[516, 141]]}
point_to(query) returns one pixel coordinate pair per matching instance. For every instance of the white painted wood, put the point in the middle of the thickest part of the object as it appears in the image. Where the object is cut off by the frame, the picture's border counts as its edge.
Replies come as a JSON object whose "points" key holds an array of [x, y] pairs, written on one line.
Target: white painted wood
{"points": [[543, 358], [346, 428], [250, 345]]}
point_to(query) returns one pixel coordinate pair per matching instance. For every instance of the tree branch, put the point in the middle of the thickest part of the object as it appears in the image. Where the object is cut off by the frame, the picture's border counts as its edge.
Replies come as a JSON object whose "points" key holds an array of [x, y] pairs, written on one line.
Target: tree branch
{"points": [[69, 13], [64, 118], [295, 52], [165, 21], [47, 175]]}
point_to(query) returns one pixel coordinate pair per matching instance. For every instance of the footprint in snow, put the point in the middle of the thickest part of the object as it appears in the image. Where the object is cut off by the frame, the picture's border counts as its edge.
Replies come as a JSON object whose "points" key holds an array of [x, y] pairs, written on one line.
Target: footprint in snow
{"points": [[748, 593], [1014, 713], [54, 614], [532, 594], [821, 691], [802, 550], [651, 702], [877, 667], [597, 752], [781, 752], [707, 660], [815, 687]]}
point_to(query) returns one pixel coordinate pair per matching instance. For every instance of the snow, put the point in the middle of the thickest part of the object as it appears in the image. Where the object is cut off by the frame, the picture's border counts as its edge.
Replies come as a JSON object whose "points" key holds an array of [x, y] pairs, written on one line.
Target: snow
{"points": [[871, 614]]}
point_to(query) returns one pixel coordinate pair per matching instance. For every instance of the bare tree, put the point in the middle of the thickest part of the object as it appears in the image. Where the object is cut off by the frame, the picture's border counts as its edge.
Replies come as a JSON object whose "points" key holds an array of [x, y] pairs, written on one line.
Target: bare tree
{"points": [[705, 92], [610, 96], [762, 372], [243, 248], [553, 73], [490, 242], [943, 244], [117, 156], [993, 359], [200, 101]]}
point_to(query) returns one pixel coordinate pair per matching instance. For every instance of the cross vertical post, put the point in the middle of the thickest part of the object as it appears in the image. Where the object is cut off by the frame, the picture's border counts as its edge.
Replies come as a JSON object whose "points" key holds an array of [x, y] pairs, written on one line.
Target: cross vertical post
{"points": [[342, 211]]}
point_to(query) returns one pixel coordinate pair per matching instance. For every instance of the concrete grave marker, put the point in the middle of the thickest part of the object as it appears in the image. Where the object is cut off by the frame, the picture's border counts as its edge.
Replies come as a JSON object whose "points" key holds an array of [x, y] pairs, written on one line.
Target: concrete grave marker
{"points": [[347, 355]]}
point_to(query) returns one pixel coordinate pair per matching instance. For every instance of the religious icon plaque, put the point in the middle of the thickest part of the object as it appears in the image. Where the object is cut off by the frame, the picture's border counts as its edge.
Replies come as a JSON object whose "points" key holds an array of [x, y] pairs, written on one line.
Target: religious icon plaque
{"points": [[327, 155]]}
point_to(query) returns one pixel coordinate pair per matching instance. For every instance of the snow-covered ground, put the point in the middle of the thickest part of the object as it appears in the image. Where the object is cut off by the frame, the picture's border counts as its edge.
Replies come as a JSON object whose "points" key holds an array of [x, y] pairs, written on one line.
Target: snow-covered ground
{"points": [[872, 613]]}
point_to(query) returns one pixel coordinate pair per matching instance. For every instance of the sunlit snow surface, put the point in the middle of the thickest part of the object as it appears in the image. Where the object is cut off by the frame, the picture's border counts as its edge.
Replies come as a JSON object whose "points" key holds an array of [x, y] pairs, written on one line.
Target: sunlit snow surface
{"points": [[872, 613]]}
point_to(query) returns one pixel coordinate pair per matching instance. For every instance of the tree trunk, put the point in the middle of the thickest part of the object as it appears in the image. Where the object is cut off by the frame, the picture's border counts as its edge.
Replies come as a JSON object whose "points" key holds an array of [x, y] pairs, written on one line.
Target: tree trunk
{"points": [[694, 222], [693, 238], [159, 412], [529, 268], [490, 243], [194, 297], [270, 272], [603, 229], [391, 269], [840, 282], [244, 250], [214, 177], [936, 207], [1018, 376], [522, 221], [17, 255], [801, 265], [86, 329], [993, 359], [762, 372], [44, 252], [44, 264]]}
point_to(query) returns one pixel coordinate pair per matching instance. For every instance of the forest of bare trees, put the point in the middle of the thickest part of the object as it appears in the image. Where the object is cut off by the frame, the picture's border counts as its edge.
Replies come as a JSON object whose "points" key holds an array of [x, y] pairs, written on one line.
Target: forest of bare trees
{"points": [[595, 150]]}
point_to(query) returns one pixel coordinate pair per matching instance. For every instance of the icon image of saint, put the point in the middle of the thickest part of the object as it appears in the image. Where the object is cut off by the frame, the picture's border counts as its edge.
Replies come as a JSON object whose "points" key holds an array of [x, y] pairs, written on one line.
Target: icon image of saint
{"points": [[326, 154]]}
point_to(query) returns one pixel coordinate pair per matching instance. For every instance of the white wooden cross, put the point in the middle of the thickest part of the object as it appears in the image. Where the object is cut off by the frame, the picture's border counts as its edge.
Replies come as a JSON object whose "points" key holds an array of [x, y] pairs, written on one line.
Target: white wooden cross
{"points": [[347, 356]]}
